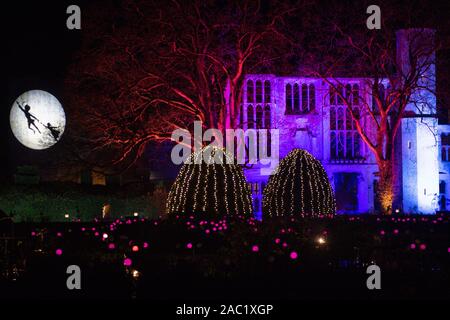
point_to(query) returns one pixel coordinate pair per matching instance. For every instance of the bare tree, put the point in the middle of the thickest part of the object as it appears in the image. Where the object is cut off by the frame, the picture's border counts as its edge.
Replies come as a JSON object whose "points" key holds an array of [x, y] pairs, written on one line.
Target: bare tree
{"points": [[393, 85], [146, 68]]}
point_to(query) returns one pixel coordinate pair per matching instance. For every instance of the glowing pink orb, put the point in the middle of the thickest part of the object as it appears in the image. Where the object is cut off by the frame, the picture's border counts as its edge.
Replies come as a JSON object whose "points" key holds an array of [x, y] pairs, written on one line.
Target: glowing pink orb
{"points": [[96, 234], [127, 262], [105, 236], [422, 246], [382, 232], [58, 252], [59, 234], [207, 231], [189, 245], [412, 246], [285, 244], [277, 240], [448, 249], [294, 255], [255, 248], [135, 248], [33, 233], [396, 231], [111, 246], [83, 229], [145, 245]]}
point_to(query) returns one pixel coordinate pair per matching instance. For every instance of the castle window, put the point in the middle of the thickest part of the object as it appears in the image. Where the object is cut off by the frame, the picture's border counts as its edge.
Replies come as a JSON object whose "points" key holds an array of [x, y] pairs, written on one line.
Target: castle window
{"points": [[259, 117], [250, 91], [288, 99], [296, 98], [333, 118], [250, 118], [312, 97], [300, 99], [332, 94], [267, 92], [345, 142], [445, 147], [305, 107], [348, 93], [267, 117], [258, 91], [268, 125], [355, 94], [340, 94]]}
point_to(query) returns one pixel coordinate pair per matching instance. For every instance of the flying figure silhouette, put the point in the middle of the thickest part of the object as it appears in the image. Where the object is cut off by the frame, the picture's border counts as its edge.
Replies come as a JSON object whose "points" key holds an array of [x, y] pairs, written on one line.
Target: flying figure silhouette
{"points": [[30, 117], [53, 131]]}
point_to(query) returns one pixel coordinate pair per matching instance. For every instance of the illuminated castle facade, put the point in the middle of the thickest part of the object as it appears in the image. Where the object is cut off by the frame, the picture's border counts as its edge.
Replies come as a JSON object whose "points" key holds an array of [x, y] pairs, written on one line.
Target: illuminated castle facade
{"points": [[310, 115]]}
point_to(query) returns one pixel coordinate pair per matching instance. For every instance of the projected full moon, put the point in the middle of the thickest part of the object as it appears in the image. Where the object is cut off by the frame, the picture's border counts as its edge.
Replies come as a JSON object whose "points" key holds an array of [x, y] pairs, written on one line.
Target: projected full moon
{"points": [[37, 119]]}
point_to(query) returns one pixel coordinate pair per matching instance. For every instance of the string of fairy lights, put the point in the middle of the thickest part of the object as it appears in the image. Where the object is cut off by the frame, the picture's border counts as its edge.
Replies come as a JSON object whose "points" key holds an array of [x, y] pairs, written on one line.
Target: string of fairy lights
{"points": [[204, 185], [300, 186]]}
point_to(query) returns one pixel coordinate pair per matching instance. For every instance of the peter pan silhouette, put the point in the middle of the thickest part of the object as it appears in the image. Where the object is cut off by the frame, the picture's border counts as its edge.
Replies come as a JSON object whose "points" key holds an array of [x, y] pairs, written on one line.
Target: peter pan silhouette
{"points": [[30, 117], [53, 131]]}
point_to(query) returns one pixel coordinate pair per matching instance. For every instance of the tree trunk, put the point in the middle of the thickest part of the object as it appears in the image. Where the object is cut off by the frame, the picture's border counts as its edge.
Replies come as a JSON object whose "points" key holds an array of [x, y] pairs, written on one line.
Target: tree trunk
{"points": [[385, 189]]}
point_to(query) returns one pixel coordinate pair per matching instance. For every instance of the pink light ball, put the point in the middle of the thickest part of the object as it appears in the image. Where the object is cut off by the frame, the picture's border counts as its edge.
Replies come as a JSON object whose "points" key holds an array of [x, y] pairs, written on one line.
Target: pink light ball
{"points": [[189, 245], [412, 246], [294, 255], [58, 252], [111, 246], [423, 246], [127, 262], [145, 245], [135, 248], [255, 248]]}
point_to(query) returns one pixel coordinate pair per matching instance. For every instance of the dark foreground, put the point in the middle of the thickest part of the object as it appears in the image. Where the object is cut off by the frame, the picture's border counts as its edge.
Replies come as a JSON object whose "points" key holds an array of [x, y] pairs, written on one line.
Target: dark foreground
{"points": [[213, 259]]}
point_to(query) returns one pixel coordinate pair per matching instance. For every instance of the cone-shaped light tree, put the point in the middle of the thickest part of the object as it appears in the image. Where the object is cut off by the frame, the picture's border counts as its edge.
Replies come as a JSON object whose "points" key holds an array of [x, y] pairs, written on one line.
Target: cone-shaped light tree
{"points": [[300, 186], [205, 185]]}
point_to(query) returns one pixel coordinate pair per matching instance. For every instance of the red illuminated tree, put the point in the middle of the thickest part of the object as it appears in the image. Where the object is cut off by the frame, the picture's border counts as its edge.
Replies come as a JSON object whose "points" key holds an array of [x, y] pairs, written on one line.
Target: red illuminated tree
{"points": [[349, 49], [146, 68]]}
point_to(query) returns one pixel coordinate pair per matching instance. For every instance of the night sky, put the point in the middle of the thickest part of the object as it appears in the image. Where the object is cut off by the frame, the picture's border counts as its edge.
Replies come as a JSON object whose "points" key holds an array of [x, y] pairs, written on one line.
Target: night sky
{"points": [[37, 48], [37, 51]]}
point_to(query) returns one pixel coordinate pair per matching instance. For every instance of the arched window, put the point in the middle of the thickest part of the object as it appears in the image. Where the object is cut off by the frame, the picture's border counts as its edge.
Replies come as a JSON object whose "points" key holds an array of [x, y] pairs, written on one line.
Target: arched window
{"points": [[259, 117], [345, 142], [288, 99], [355, 94], [258, 91], [250, 91], [340, 119], [312, 97], [332, 96], [296, 98], [305, 97], [341, 93], [267, 93], [267, 117], [348, 119], [348, 93], [333, 118], [250, 118]]}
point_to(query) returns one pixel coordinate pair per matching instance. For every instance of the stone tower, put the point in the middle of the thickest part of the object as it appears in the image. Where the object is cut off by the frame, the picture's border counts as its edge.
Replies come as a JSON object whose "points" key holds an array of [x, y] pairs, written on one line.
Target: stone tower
{"points": [[419, 151]]}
